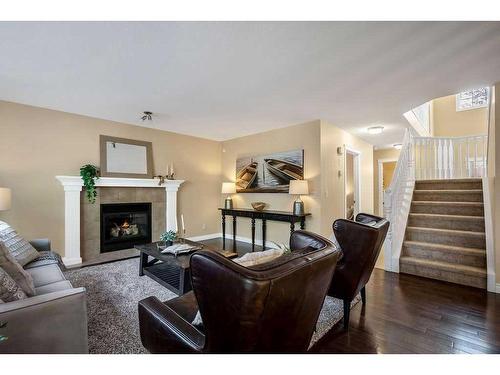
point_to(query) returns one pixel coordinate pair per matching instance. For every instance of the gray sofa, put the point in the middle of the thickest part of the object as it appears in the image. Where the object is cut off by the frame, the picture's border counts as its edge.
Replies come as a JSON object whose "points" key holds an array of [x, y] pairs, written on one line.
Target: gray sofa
{"points": [[52, 321]]}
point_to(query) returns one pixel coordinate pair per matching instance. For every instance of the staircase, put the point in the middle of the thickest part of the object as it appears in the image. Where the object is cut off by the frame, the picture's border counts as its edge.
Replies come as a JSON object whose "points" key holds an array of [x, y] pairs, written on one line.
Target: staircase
{"points": [[445, 236]]}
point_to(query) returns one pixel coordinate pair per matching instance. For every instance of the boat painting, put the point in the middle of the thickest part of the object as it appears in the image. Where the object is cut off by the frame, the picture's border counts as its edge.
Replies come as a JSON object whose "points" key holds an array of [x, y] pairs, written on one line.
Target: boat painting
{"points": [[272, 172]]}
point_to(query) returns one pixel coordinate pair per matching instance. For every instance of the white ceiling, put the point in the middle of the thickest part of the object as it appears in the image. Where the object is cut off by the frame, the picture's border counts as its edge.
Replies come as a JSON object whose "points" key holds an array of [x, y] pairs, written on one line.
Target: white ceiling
{"points": [[221, 80]]}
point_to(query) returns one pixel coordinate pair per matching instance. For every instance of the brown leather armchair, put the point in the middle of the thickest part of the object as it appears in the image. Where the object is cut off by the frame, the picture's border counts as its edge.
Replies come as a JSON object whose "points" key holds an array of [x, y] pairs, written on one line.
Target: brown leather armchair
{"points": [[269, 308], [361, 244]]}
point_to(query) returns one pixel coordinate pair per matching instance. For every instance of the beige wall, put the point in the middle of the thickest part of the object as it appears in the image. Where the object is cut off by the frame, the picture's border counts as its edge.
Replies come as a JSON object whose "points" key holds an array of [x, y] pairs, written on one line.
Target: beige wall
{"points": [[447, 122], [304, 136], [37, 144], [333, 193]]}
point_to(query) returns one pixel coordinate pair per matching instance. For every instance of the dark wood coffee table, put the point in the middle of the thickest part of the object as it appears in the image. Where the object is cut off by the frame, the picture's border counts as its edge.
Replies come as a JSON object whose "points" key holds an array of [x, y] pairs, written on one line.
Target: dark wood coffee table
{"points": [[169, 270]]}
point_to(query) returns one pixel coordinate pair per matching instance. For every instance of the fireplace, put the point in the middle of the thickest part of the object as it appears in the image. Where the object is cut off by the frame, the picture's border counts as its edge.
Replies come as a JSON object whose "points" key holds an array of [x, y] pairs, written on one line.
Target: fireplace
{"points": [[124, 225]]}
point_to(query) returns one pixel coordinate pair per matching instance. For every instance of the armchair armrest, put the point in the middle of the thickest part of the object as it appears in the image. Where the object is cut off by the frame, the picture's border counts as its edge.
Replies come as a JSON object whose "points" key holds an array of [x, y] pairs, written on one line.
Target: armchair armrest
{"points": [[49, 323], [165, 331], [41, 244]]}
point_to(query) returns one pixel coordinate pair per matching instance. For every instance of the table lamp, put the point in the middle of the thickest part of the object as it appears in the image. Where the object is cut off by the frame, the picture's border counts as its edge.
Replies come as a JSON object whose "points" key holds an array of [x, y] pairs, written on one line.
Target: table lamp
{"points": [[228, 188], [5, 199], [298, 187]]}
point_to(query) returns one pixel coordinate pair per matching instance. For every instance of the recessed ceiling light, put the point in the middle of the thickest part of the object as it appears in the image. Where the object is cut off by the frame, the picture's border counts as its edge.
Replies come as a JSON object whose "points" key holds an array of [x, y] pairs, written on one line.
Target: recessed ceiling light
{"points": [[397, 146], [376, 129]]}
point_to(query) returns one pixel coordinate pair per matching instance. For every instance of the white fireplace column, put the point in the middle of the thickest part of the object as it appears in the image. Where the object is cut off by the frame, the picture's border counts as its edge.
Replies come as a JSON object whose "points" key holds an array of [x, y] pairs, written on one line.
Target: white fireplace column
{"points": [[72, 189], [72, 225]]}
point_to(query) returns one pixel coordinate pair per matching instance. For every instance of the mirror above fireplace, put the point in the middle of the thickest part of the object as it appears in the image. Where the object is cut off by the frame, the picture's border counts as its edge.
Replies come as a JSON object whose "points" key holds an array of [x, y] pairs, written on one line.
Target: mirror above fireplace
{"points": [[121, 157]]}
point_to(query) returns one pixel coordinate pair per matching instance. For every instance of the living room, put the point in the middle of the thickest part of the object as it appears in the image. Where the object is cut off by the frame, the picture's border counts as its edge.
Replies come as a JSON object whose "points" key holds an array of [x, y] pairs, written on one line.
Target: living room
{"points": [[175, 187]]}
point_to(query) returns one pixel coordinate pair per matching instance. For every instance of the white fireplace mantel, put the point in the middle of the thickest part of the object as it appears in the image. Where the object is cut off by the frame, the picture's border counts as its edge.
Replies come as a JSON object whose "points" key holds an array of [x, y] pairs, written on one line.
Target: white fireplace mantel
{"points": [[73, 186]]}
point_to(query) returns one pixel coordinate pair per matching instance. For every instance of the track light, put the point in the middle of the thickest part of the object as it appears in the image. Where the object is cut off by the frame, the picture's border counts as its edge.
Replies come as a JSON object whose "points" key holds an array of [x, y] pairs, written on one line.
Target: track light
{"points": [[147, 116]]}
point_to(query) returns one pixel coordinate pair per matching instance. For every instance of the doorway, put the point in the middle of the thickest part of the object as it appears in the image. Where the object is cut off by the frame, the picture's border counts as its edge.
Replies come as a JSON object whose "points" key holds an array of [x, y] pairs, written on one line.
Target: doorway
{"points": [[352, 183], [386, 168]]}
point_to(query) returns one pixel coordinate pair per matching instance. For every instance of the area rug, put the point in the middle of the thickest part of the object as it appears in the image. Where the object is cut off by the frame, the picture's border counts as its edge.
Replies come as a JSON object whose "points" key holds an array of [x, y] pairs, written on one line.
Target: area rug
{"points": [[113, 292]]}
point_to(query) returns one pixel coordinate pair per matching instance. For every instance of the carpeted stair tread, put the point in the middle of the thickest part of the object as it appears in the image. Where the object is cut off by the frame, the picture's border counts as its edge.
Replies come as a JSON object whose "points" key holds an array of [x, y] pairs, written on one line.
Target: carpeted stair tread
{"points": [[446, 216], [455, 191], [446, 221], [447, 248], [450, 232], [449, 203], [457, 184], [444, 266]]}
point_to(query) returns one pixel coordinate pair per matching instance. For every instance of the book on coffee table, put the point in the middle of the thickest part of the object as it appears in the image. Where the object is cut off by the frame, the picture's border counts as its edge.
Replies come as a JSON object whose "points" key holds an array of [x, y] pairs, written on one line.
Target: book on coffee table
{"points": [[180, 248]]}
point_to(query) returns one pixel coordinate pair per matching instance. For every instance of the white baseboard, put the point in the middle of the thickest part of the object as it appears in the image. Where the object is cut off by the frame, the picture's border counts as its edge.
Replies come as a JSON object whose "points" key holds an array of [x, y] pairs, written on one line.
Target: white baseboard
{"points": [[205, 237], [497, 289], [269, 244]]}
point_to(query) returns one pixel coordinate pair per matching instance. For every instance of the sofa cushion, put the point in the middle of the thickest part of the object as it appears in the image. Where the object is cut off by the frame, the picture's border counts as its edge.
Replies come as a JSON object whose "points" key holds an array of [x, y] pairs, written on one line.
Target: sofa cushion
{"points": [[44, 258], [14, 269], [54, 287], [17, 245], [9, 290], [44, 275]]}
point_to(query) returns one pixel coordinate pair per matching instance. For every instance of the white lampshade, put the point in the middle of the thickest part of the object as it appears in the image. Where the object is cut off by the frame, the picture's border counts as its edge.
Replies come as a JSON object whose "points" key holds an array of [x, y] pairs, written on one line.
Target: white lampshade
{"points": [[298, 187], [5, 199], [228, 188]]}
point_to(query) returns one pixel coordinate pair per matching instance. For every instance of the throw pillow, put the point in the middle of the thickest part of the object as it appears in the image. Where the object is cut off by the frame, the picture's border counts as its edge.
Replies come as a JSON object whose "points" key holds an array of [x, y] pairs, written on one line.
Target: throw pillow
{"points": [[14, 269], [17, 245], [259, 257], [9, 290]]}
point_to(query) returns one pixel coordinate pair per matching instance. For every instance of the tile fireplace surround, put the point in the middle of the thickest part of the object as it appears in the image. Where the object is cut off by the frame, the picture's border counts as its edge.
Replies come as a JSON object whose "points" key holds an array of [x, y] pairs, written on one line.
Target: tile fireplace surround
{"points": [[111, 190]]}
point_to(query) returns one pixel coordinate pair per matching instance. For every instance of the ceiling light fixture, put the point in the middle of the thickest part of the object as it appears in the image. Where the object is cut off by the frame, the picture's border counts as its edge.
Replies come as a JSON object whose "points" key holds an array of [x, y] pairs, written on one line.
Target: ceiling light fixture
{"points": [[397, 146], [147, 116], [376, 129]]}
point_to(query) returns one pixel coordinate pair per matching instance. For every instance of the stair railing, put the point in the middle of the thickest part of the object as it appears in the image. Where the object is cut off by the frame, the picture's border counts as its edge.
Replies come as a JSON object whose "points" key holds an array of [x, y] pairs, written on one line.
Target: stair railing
{"points": [[450, 157], [397, 202]]}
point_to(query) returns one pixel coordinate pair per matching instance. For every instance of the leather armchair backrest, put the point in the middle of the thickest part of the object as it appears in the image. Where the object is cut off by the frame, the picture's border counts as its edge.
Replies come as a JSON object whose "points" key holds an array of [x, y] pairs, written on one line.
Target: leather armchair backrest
{"points": [[361, 245], [272, 309]]}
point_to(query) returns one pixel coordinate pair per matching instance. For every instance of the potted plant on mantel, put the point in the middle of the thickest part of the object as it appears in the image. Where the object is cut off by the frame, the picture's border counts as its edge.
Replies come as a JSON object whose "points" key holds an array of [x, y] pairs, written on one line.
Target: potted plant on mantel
{"points": [[89, 174]]}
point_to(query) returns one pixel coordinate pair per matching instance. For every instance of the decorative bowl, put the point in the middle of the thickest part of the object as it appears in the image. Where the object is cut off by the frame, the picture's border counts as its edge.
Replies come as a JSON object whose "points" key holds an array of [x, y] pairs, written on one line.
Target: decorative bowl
{"points": [[258, 206]]}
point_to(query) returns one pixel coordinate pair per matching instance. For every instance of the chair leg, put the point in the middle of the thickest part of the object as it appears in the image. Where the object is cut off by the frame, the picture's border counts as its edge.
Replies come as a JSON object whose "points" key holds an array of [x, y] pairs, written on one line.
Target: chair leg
{"points": [[363, 295], [347, 311]]}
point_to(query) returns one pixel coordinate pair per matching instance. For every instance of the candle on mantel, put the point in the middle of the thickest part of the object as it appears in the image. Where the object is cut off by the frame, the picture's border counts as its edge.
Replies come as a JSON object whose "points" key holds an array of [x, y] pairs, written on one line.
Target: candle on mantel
{"points": [[182, 223], [172, 168]]}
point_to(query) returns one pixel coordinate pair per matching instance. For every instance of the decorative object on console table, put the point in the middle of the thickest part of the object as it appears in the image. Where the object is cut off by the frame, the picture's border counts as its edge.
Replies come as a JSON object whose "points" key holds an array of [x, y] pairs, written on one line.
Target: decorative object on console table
{"points": [[264, 216], [89, 174], [5, 199], [298, 187], [228, 188], [258, 206]]}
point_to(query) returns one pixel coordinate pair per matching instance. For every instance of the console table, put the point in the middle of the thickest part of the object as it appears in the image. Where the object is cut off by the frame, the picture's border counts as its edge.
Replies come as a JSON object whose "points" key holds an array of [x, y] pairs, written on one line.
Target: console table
{"points": [[262, 215]]}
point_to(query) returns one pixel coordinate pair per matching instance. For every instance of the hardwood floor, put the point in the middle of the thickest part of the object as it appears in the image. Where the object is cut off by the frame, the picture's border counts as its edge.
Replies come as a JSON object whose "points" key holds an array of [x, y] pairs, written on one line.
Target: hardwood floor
{"points": [[409, 314]]}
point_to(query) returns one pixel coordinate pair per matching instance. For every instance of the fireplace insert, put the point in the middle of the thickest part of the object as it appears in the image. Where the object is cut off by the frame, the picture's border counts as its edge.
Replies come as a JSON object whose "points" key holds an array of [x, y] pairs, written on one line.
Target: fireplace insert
{"points": [[124, 225]]}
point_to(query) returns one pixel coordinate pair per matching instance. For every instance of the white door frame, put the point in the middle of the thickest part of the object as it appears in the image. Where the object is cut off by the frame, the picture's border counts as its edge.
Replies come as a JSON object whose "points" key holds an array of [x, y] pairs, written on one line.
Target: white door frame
{"points": [[357, 178], [380, 186]]}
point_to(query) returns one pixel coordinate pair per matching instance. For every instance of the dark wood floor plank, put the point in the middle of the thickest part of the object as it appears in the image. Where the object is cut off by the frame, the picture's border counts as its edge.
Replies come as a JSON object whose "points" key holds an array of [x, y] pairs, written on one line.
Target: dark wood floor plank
{"points": [[409, 314]]}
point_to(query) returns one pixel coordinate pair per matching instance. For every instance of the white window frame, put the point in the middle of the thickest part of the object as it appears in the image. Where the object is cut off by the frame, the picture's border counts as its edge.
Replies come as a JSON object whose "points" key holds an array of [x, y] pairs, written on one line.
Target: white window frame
{"points": [[460, 109]]}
